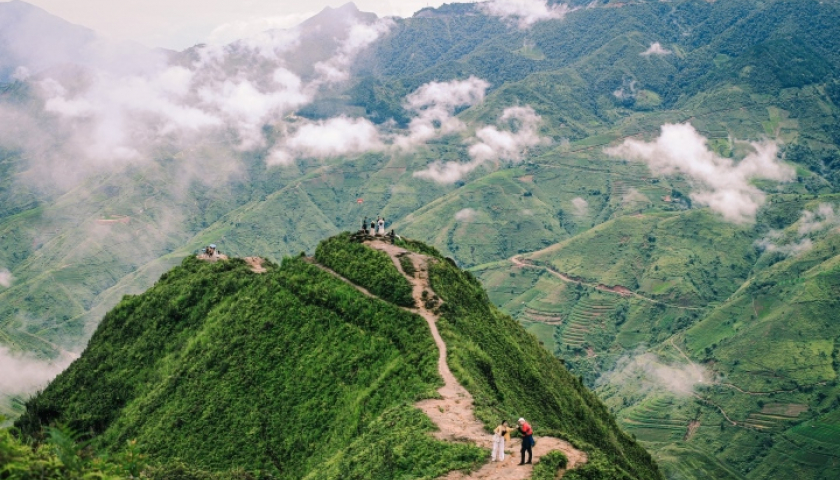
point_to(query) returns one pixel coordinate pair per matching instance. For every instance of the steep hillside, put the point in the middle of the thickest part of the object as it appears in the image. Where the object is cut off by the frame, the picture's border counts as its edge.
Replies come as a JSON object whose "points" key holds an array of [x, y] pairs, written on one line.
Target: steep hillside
{"points": [[297, 373]]}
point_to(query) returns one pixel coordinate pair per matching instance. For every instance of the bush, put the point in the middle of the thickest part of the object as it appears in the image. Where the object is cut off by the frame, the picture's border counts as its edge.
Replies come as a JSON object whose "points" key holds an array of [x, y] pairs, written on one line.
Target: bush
{"points": [[365, 267]]}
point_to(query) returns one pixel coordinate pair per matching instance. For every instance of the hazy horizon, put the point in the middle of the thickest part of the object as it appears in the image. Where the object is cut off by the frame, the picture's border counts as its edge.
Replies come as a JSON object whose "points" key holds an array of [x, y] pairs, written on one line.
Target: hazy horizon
{"points": [[179, 24]]}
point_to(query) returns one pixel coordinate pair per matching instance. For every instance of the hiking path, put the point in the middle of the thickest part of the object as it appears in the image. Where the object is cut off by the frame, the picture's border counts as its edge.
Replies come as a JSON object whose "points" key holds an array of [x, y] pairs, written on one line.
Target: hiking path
{"points": [[453, 413]]}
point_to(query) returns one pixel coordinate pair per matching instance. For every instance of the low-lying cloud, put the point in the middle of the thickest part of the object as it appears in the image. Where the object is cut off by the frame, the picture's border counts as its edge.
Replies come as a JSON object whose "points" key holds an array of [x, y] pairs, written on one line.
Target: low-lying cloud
{"points": [[465, 215], [719, 183], [634, 196], [519, 131], [328, 138], [822, 218], [6, 278], [580, 206], [646, 372], [524, 13], [105, 119], [434, 105], [24, 375], [656, 48]]}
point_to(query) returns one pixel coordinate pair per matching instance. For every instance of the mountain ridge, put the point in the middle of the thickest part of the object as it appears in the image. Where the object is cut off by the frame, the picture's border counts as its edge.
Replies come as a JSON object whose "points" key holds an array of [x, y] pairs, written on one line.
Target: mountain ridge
{"points": [[111, 416]]}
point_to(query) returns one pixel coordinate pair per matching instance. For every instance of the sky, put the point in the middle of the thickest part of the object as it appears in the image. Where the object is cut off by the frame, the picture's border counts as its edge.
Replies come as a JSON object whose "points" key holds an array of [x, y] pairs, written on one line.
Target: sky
{"points": [[178, 24]]}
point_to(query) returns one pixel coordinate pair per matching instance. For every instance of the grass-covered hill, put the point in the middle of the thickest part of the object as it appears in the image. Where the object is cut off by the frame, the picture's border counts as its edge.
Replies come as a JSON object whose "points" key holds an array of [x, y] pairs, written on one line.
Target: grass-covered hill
{"points": [[294, 373]]}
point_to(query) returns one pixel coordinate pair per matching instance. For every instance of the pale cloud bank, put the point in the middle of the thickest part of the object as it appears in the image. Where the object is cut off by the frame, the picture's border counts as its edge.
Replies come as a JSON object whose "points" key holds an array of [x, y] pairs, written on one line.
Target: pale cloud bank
{"points": [[719, 183], [434, 105], [524, 13], [634, 196], [465, 215], [328, 138], [24, 375], [509, 143], [105, 119], [656, 48], [580, 206], [6, 278], [810, 222], [647, 372]]}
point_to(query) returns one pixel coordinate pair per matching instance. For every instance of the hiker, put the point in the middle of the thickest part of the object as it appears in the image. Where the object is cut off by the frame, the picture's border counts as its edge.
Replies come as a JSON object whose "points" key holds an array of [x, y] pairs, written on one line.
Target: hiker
{"points": [[381, 227], [372, 228], [364, 225], [500, 435], [527, 440]]}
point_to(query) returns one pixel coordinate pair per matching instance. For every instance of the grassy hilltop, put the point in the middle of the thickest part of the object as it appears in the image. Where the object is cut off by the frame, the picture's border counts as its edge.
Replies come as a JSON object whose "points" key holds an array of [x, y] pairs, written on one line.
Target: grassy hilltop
{"points": [[295, 374]]}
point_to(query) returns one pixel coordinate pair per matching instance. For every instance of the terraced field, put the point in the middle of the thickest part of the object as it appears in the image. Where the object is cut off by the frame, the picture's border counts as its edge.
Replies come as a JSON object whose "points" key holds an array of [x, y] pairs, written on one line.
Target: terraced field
{"points": [[774, 416], [663, 419], [588, 315]]}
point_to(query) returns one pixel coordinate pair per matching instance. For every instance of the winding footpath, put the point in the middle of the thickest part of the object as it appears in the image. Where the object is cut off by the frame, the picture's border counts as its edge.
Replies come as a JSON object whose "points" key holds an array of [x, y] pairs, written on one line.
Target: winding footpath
{"points": [[453, 412], [520, 261]]}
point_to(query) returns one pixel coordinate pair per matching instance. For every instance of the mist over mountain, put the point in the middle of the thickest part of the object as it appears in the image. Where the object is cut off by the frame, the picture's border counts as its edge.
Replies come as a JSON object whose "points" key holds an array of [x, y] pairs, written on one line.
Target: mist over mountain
{"points": [[649, 187]]}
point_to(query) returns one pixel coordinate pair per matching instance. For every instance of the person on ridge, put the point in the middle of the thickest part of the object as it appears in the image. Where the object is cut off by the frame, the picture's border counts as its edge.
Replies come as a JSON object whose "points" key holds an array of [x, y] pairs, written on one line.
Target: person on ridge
{"points": [[364, 225], [381, 227], [372, 228], [527, 440], [500, 435]]}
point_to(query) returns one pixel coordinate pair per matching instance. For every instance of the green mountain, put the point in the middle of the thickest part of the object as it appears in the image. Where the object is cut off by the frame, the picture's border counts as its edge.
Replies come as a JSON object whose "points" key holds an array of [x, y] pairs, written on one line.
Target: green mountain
{"points": [[297, 373], [620, 273]]}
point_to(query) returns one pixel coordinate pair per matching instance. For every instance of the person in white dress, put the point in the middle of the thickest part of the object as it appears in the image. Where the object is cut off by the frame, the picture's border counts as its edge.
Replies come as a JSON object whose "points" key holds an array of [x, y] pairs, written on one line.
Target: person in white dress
{"points": [[381, 230], [500, 435]]}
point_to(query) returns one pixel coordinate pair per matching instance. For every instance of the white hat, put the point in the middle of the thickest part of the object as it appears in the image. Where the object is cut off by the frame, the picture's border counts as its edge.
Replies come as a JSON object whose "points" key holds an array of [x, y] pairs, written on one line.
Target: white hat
{"points": [[521, 420]]}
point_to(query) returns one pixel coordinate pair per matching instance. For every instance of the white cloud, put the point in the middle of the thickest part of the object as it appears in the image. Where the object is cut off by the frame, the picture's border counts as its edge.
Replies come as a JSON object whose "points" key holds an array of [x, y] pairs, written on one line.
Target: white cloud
{"points": [[580, 206], [493, 144], [465, 215], [6, 278], [255, 26], [449, 172], [810, 222], [360, 36], [328, 138], [719, 183], [524, 12], [656, 48], [647, 372], [634, 196], [24, 375], [21, 74], [435, 103]]}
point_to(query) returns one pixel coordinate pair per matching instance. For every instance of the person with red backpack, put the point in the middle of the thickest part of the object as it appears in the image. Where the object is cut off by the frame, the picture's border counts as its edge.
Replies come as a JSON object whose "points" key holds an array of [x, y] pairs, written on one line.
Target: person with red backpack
{"points": [[527, 440]]}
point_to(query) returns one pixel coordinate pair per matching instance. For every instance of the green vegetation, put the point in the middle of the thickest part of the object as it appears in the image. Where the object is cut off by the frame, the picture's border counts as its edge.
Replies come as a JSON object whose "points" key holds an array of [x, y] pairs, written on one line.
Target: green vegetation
{"points": [[64, 457], [291, 373], [739, 70], [547, 467], [367, 267], [511, 375]]}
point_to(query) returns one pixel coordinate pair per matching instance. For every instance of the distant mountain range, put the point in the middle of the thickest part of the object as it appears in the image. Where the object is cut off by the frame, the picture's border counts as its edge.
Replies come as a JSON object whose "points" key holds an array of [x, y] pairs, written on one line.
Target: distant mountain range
{"points": [[696, 297]]}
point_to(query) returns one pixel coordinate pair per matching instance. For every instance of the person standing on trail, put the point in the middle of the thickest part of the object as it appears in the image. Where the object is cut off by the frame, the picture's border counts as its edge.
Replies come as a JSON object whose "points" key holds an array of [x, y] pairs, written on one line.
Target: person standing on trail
{"points": [[372, 228], [500, 435], [527, 440], [381, 227], [364, 225]]}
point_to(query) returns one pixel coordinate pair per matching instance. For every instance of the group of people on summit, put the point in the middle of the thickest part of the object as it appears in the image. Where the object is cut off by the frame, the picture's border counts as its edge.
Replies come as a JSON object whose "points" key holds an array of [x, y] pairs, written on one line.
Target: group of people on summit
{"points": [[501, 434], [376, 227]]}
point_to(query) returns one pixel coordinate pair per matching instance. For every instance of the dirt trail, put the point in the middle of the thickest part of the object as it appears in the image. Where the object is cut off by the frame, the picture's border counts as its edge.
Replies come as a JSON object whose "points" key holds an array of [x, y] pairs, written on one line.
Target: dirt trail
{"points": [[453, 412], [617, 289], [256, 264]]}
